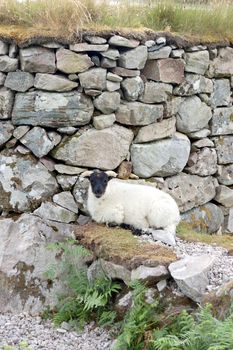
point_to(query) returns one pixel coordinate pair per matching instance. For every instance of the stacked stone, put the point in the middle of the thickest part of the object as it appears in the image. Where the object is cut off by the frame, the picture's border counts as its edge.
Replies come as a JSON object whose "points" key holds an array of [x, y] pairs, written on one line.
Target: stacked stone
{"points": [[95, 104]]}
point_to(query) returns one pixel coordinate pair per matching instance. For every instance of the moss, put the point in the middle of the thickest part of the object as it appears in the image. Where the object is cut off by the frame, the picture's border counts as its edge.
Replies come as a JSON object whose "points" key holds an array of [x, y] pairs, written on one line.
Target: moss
{"points": [[231, 117], [185, 231], [122, 247]]}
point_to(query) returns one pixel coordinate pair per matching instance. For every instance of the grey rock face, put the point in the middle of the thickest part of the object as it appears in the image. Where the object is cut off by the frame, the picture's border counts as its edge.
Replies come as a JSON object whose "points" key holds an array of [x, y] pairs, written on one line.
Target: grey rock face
{"points": [[24, 183], [20, 131], [19, 81], [193, 115], [38, 142], [164, 52], [112, 86], [107, 102], [53, 212], [118, 40], [197, 62], [156, 92], [172, 107], [6, 131], [149, 275], [162, 158], [190, 191], [111, 54], [134, 59], [203, 162], [225, 174], [66, 200], [84, 47], [37, 59], [156, 131], [190, 274], [224, 196], [132, 88], [80, 193], [71, 62], [68, 169], [206, 218], [224, 147], [114, 77], [25, 259], [95, 39], [6, 103], [94, 78], [168, 70], [104, 121], [103, 149], [222, 66], [137, 113], [194, 84], [66, 181], [222, 121], [3, 48], [199, 134], [222, 93], [8, 64], [116, 271], [52, 109], [2, 78], [51, 82], [205, 142]]}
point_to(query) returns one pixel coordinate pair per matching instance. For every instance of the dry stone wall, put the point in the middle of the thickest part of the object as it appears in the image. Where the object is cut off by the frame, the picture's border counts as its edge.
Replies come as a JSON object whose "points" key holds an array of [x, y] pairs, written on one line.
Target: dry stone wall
{"points": [[106, 102]]}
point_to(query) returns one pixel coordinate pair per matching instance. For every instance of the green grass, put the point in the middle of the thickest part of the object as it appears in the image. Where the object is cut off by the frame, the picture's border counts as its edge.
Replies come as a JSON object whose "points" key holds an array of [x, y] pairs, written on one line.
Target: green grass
{"points": [[207, 20]]}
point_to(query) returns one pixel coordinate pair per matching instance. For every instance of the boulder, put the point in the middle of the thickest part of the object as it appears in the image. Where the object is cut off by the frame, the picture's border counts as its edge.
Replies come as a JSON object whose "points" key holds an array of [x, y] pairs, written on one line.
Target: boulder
{"points": [[25, 258], [51, 82], [19, 81], [108, 63], [115, 271], [66, 181], [95, 39], [225, 174], [224, 146], [52, 109], [2, 78], [132, 88], [104, 149], [194, 84], [221, 95], [71, 62], [107, 102], [94, 78], [172, 106], [149, 275], [117, 40], [66, 200], [37, 59], [222, 121], [190, 191], [207, 218], [8, 64], [54, 212], [3, 48], [156, 131], [193, 115], [224, 196], [114, 77], [134, 59], [6, 131], [68, 169], [85, 47], [202, 162], [138, 113], [112, 86], [167, 70], [205, 142], [80, 193], [104, 121], [24, 183], [197, 62], [111, 54], [196, 135], [6, 103], [127, 73], [156, 92], [191, 275], [162, 158], [222, 65], [164, 52]]}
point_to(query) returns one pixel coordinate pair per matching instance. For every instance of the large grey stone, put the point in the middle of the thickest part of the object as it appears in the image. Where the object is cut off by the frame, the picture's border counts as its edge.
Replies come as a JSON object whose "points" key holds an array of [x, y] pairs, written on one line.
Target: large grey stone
{"points": [[115, 271], [71, 62], [8, 64], [68, 169], [167, 70], [51, 82], [52, 109], [194, 84], [224, 147], [114, 77], [222, 93], [197, 62], [19, 81], [123, 72], [103, 149], [94, 78], [20, 131], [3, 48], [66, 181], [206, 218], [6, 131], [84, 47], [112, 86], [203, 162], [222, 65], [222, 121], [138, 113], [54, 212], [37, 59], [193, 115], [196, 135], [80, 192], [24, 183], [95, 39], [134, 59], [172, 106], [156, 131], [191, 276], [132, 88], [111, 54], [66, 200], [190, 191], [162, 158], [37, 141], [117, 40], [6, 103], [164, 52], [24, 260], [225, 174], [156, 92], [149, 275], [224, 196], [107, 102], [2, 78], [104, 121]]}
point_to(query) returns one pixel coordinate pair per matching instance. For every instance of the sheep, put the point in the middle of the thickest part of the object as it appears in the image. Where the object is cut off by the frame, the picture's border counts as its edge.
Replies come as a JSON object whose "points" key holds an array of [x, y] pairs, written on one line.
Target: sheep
{"points": [[143, 207]]}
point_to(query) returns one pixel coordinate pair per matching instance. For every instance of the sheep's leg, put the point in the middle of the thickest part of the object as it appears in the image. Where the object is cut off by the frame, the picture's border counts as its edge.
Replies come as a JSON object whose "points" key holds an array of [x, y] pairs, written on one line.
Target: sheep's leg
{"points": [[115, 216]]}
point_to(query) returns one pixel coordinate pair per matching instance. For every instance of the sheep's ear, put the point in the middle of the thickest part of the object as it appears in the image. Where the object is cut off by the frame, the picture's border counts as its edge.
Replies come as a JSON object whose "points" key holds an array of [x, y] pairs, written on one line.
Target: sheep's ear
{"points": [[86, 173], [111, 174]]}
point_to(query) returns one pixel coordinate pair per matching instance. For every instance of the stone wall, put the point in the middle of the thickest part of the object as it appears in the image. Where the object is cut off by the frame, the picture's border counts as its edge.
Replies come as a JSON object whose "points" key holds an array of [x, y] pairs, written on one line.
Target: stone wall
{"points": [[108, 103]]}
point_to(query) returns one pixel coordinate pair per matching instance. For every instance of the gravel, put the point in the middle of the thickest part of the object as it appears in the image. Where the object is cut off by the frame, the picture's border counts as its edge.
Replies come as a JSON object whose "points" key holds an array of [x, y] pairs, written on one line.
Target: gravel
{"points": [[42, 335]]}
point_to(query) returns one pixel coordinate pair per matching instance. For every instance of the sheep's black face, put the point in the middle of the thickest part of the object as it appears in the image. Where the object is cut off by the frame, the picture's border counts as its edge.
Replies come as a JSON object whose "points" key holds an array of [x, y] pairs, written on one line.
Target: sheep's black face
{"points": [[99, 182]]}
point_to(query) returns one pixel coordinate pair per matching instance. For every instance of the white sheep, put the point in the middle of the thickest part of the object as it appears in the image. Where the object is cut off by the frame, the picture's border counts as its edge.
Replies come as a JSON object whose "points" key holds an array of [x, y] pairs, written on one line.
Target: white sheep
{"points": [[141, 206]]}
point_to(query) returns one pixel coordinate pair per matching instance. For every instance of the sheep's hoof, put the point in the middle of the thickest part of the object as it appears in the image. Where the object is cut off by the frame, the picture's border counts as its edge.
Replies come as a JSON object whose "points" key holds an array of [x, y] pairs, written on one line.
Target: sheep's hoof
{"points": [[135, 231]]}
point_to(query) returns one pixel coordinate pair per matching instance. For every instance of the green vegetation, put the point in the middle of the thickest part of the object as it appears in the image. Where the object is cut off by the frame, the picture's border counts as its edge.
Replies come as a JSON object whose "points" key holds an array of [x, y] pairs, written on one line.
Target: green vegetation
{"points": [[23, 345], [208, 20]]}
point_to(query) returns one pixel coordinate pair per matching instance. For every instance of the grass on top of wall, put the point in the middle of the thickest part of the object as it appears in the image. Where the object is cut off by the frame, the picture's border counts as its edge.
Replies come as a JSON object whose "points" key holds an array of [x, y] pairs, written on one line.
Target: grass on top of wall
{"points": [[210, 20]]}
